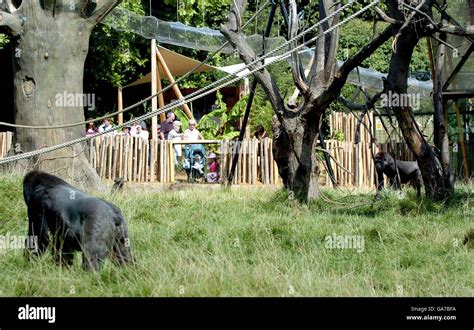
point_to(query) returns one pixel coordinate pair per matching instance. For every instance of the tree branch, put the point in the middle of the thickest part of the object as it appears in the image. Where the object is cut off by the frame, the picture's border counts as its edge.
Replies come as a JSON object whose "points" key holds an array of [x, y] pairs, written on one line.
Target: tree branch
{"points": [[295, 57], [232, 33], [458, 30], [387, 18], [101, 11], [12, 21], [11, 6], [361, 107], [332, 42], [341, 75]]}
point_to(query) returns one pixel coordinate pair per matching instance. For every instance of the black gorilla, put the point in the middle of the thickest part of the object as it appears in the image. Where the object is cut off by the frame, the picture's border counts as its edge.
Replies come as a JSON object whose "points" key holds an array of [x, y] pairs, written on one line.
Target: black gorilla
{"points": [[75, 221], [397, 171], [118, 184]]}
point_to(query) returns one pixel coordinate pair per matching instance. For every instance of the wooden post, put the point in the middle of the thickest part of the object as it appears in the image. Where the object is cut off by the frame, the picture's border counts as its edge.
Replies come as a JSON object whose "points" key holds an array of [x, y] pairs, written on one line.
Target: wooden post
{"points": [[116, 156], [151, 146], [465, 162], [139, 156], [171, 161], [154, 68], [175, 88], [135, 158], [161, 98], [120, 152], [120, 106]]}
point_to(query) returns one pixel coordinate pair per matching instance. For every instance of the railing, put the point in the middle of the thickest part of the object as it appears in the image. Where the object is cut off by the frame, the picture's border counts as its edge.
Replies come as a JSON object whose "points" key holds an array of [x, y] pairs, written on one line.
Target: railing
{"points": [[141, 160]]}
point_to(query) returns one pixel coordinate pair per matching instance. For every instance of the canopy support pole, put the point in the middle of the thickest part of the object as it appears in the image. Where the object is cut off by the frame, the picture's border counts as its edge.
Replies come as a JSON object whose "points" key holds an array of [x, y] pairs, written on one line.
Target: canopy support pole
{"points": [[171, 80]]}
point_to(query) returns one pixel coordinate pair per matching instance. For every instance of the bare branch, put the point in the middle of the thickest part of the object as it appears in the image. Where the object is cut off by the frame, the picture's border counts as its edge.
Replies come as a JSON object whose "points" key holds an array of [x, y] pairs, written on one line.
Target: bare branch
{"points": [[458, 30], [326, 46], [12, 21], [232, 33], [341, 75], [387, 18], [332, 42], [415, 10], [370, 104], [11, 7], [101, 11], [295, 57], [296, 93]]}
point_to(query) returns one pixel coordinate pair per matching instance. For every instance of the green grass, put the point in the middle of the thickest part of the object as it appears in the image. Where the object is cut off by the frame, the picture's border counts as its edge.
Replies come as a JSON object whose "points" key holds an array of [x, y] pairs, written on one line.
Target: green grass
{"points": [[257, 242]]}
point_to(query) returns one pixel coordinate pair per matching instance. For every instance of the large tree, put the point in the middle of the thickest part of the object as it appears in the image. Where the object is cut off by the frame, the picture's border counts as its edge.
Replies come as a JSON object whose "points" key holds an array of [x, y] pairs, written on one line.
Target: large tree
{"points": [[51, 41], [296, 127], [414, 22]]}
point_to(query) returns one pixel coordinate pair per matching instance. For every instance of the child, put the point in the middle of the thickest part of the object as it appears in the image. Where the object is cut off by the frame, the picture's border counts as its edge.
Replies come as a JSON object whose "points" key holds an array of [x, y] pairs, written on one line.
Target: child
{"points": [[175, 135], [91, 129], [213, 175]]}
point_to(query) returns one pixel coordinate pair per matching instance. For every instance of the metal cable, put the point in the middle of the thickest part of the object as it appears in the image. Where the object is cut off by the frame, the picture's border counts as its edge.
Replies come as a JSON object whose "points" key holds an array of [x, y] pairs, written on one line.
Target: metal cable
{"points": [[135, 105]]}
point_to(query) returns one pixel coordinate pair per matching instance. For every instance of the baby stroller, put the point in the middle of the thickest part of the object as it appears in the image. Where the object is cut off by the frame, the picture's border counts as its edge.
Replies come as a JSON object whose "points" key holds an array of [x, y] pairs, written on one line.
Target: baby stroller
{"points": [[195, 162]]}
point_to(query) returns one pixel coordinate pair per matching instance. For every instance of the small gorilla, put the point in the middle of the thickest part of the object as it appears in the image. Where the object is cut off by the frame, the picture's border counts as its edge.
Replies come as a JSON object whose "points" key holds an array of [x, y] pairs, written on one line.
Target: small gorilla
{"points": [[75, 221], [397, 171], [118, 184]]}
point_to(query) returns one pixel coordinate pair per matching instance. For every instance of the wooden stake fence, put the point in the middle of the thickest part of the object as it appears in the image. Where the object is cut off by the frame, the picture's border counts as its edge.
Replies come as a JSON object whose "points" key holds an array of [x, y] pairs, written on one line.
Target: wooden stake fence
{"points": [[6, 144], [141, 160]]}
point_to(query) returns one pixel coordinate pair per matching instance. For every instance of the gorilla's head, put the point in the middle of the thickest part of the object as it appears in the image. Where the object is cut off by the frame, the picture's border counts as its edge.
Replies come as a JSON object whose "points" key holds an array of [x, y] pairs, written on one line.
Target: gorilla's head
{"points": [[383, 160]]}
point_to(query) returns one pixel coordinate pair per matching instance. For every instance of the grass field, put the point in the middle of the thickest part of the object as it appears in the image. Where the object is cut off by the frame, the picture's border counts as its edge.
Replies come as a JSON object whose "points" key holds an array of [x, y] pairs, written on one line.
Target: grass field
{"points": [[256, 242]]}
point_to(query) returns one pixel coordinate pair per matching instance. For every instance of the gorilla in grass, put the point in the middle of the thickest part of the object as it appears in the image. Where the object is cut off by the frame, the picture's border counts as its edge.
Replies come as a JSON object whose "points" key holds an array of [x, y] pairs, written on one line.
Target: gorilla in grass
{"points": [[397, 171], [73, 221]]}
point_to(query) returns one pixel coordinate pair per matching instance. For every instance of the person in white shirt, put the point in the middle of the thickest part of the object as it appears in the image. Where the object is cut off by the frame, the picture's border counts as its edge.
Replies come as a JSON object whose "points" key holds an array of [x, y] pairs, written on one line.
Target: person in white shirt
{"points": [[106, 126], [175, 135], [192, 133], [141, 133]]}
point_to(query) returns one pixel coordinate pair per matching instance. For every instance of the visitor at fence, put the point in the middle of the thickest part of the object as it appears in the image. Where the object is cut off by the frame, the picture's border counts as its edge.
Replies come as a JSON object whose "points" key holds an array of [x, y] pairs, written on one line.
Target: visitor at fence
{"points": [[126, 131], [213, 174], [106, 126], [260, 133], [91, 129], [192, 133], [141, 133], [158, 130], [167, 125], [175, 135], [133, 129]]}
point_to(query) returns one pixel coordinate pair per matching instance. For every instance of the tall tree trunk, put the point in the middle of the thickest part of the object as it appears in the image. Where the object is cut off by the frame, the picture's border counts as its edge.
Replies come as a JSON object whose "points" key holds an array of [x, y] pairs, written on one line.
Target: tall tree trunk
{"points": [[441, 138], [51, 41], [294, 150], [48, 72], [405, 42]]}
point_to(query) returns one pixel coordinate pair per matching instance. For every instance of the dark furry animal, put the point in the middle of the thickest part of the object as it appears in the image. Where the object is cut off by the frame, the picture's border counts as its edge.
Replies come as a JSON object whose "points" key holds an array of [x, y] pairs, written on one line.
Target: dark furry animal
{"points": [[118, 184], [397, 171], [74, 221]]}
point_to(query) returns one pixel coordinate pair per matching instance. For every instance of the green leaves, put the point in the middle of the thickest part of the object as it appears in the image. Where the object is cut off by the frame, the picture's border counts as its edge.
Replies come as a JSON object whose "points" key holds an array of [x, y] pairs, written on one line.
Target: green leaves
{"points": [[356, 33], [217, 124], [3, 40], [117, 56]]}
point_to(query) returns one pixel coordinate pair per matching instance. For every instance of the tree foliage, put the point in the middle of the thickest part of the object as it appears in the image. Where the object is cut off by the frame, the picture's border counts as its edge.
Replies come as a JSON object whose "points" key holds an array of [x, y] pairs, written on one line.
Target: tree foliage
{"points": [[116, 57]]}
